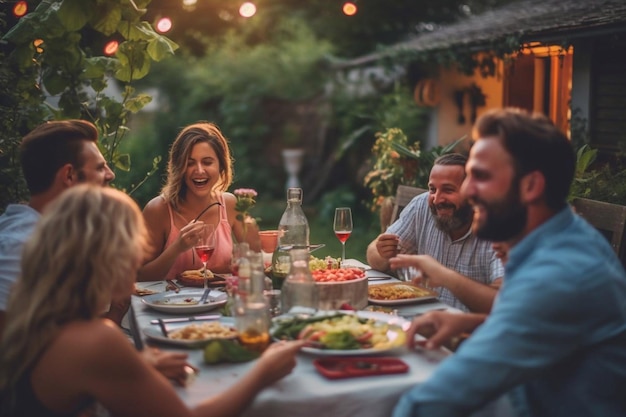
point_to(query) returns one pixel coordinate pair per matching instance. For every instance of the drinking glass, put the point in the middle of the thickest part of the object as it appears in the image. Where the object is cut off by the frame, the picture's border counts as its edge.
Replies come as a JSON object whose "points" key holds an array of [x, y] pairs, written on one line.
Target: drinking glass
{"points": [[343, 227], [408, 273], [205, 246]]}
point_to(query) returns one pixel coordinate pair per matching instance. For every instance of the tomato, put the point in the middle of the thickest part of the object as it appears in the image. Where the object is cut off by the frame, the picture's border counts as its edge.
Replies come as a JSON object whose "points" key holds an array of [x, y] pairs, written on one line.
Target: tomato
{"points": [[305, 332], [337, 275], [365, 336], [310, 334]]}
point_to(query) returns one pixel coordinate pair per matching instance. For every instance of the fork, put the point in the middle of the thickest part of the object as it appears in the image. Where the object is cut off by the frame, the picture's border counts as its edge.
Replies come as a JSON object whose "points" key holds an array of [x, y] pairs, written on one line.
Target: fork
{"points": [[173, 285]]}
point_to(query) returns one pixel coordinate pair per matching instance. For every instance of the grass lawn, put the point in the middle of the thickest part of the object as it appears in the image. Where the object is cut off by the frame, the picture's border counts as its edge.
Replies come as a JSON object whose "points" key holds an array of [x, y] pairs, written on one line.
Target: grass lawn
{"points": [[366, 228]]}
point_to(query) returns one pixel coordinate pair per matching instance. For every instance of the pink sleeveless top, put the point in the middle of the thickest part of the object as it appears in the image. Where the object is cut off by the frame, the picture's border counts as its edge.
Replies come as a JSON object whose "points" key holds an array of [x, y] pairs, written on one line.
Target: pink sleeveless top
{"points": [[220, 261]]}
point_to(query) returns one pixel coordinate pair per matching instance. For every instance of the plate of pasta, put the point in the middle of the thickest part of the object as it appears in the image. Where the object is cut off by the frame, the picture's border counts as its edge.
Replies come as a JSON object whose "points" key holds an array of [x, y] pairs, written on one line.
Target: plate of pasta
{"points": [[398, 293], [343, 333], [193, 335]]}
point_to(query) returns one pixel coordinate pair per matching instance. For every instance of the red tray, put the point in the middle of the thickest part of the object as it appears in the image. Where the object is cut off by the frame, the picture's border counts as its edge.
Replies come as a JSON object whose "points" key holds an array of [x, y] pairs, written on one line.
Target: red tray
{"points": [[340, 367]]}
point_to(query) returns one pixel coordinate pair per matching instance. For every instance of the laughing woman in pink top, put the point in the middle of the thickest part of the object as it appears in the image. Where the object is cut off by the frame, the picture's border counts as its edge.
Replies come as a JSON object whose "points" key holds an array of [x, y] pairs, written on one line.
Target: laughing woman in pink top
{"points": [[199, 172]]}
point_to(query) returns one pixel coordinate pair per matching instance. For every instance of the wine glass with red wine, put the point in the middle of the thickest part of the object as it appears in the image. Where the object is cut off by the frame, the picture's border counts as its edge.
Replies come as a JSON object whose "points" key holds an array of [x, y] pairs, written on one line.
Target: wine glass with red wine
{"points": [[205, 246], [343, 228]]}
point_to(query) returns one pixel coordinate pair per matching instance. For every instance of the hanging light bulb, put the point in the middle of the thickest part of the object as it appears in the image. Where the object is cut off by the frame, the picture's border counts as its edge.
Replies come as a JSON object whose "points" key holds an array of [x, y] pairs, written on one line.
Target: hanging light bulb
{"points": [[20, 8], [349, 8], [247, 9], [37, 43], [189, 5], [164, 24], [111, 47]]}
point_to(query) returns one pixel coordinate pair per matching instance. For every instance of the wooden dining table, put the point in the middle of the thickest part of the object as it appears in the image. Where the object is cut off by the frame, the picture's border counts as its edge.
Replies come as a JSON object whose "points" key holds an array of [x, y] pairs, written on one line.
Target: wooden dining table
{"points": [[305, 392]]}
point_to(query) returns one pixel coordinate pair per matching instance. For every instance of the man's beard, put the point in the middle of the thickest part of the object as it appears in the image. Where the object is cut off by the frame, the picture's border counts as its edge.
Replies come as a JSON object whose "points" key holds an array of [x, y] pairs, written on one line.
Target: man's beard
{"points": [[504, 219], [461, 217]]}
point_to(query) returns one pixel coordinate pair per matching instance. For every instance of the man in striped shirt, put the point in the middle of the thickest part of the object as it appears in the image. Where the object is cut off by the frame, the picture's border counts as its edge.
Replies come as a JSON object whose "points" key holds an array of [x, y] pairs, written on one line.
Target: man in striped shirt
{"points": [[434, 233]]}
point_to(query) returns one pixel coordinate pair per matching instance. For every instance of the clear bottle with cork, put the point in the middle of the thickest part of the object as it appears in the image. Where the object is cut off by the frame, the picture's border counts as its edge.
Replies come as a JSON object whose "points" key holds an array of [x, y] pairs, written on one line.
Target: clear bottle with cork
{"points": [[293, 233], [299, 292]]}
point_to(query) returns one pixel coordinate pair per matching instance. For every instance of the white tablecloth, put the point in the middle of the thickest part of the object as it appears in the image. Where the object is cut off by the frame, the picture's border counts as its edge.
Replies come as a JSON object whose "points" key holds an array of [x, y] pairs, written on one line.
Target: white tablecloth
{"points": [[305, 393]]}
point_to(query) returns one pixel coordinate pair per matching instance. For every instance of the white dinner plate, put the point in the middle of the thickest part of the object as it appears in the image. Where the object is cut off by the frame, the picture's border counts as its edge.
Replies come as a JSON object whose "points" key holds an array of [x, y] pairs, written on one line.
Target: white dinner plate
{"points": [[396, 334], [355, 263], [153, 332], [186, 301], [421, 295]]}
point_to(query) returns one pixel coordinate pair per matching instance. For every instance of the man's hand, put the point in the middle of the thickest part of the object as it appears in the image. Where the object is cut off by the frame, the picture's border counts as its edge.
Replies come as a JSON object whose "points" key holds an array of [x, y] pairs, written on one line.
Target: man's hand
{"points": [[441, 327], [387, 245]]}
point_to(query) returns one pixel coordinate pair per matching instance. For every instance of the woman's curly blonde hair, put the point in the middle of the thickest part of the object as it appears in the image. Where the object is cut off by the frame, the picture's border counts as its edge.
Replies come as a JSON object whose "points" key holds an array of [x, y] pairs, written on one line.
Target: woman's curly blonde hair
{"points": [[84, 251]]}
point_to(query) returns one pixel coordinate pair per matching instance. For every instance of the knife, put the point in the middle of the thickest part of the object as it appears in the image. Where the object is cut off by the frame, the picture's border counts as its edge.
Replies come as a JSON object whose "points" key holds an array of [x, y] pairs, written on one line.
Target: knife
{"points": [[205, 296], [184, 319], [311, 248]]}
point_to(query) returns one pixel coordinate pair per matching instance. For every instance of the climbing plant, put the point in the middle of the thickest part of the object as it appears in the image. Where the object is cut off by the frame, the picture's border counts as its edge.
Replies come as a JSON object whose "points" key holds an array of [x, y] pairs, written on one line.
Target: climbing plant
{"points": [[57, 57]]}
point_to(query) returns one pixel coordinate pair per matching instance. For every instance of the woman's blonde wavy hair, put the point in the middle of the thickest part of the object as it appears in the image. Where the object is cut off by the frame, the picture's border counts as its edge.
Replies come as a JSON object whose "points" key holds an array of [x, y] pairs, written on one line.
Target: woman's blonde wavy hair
{"points": [[174, 190], [85, 249]]}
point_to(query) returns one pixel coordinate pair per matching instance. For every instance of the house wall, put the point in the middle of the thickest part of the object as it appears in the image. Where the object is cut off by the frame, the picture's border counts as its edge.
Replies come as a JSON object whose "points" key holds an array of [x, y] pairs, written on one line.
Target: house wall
{"points": [[447, 125], [581, 79]]}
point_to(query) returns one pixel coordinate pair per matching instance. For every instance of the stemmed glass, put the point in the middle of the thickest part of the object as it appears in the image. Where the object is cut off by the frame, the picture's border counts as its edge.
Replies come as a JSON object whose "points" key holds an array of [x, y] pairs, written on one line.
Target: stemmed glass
{"points": [[343, 227], [205, 246]]}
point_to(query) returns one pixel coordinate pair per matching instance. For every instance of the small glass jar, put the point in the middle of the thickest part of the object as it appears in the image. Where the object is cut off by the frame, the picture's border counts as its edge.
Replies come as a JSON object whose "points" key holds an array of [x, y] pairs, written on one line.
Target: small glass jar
{"points": [[252, 316]]}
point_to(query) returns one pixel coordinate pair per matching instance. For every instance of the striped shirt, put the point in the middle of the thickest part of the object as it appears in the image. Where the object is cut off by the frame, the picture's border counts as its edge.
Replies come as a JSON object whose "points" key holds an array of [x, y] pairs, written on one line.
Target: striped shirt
{"points": [[470, 256]]}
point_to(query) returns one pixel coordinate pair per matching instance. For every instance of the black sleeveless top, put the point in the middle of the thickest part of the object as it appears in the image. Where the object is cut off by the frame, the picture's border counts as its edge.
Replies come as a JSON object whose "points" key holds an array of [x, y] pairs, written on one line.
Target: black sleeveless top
{"points": [[28, 405]]}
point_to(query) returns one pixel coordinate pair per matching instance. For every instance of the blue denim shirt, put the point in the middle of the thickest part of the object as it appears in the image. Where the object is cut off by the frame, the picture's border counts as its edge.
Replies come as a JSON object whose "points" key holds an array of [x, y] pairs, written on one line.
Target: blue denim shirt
{"points": [[16, 225], [556, 337]]}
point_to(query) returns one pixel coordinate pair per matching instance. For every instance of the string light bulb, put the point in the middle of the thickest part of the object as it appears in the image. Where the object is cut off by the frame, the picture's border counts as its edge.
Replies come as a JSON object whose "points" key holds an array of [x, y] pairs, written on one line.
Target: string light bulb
{"points": [[164, 25], [37, 43], [247, 9], [349, 8], [111, 48], [20, 8]]}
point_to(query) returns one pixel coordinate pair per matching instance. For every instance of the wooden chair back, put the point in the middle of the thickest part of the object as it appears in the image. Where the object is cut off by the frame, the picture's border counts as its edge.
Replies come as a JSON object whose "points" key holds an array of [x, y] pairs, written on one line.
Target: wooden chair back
{"points": [[609, 219], [404, 194]]}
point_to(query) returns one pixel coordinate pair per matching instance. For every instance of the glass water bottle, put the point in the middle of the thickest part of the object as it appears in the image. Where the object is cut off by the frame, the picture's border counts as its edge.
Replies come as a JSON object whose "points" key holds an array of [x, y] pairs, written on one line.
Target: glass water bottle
{"points": [[299, 292], [293, 232]]}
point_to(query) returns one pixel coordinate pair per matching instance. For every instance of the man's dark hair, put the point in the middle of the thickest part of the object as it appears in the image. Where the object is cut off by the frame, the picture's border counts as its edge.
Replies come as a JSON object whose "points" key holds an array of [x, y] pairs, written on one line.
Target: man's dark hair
{"points": [[535, 144], [451, 159], [50, 146]]}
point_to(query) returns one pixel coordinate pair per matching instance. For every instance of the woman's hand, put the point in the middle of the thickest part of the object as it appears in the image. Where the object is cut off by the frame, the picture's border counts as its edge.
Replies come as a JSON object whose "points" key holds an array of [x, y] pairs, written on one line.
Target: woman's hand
{"points": [[278, 360], [170, 364], [189, 235]]}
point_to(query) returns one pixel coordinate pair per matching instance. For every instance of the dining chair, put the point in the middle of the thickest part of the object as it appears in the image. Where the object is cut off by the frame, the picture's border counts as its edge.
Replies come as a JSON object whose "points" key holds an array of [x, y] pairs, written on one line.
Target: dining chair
{"points": [[404, 194], [608, 218]]}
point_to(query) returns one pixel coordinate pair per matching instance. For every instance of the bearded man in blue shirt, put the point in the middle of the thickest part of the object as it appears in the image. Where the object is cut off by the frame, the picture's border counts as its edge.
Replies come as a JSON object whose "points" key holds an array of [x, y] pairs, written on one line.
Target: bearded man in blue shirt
{"points": [[555, 340]]}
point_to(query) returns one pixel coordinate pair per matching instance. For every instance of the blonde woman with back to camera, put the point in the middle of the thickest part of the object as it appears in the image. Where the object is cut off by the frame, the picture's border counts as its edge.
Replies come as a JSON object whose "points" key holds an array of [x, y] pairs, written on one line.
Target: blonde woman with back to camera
{"points": [[58, 357]]}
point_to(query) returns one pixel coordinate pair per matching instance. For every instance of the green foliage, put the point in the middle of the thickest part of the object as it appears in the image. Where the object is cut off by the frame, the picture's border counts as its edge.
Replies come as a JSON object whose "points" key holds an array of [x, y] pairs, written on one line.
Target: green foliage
{"points": [[67, 64], [284, 66], [388, 171], [19, 110], [398, 162], [397, 109], [231, 85], [583, 176], [603, 182]]}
